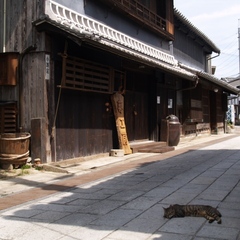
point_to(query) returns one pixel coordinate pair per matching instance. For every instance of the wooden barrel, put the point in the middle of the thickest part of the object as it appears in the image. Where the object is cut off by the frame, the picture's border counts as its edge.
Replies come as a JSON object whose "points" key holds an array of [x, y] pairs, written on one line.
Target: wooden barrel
{"points": [[14, 148]]}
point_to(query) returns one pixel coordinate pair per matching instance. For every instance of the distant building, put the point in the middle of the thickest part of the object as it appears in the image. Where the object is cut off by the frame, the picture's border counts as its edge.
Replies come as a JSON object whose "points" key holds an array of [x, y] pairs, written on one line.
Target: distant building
{"points": [[233, 114]]}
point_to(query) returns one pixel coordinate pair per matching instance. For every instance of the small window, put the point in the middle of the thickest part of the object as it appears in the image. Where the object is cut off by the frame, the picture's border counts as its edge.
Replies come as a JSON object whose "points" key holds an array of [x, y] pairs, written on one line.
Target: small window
{"points": [[8, 117]]}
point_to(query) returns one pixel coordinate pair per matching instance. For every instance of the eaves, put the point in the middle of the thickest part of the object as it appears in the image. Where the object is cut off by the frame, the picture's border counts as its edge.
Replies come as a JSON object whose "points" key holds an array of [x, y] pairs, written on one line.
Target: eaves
{"points": [[195, 31], [228, 87], [103, 36], [206, 76]]}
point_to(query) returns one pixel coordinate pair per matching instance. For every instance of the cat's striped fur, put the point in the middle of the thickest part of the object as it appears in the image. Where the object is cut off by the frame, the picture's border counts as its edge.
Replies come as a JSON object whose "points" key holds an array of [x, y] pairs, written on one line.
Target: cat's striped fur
{"points": [[210, 213]]}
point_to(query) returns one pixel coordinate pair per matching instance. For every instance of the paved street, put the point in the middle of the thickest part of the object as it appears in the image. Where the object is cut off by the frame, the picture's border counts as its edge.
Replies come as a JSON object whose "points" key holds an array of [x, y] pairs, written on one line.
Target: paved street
{"points": [[124, 201]]}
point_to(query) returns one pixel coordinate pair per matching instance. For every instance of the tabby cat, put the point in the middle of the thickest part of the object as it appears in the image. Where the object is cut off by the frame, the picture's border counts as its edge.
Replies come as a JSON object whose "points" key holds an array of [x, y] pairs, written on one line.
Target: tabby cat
{"points": [[210, 213]]}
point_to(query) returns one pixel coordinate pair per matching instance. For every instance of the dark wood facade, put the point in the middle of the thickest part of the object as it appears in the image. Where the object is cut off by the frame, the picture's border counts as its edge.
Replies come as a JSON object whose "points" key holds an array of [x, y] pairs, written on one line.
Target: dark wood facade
{"points": [[66, 76], [203, 106]]}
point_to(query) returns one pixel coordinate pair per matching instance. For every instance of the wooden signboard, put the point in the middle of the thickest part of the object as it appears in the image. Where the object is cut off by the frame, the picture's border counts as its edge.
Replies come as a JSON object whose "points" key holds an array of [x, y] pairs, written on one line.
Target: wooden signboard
{"points": [[118, 108]]}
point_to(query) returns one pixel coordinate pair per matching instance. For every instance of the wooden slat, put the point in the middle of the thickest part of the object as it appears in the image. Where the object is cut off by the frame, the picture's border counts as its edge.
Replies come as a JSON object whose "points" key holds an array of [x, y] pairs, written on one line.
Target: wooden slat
{"points": [[83, 75], [8, 118], [86, 85], [72, 77], [87, 75]]}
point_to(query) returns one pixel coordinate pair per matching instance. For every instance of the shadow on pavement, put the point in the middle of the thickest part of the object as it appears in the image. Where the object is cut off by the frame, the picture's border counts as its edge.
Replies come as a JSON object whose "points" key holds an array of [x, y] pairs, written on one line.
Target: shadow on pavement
{"points": [[128, 204]]}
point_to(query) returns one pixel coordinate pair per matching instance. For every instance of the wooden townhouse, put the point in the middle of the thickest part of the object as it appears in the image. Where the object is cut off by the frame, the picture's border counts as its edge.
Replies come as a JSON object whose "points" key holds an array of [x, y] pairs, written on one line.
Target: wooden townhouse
{"points": [[63, 61], [202, 105]]}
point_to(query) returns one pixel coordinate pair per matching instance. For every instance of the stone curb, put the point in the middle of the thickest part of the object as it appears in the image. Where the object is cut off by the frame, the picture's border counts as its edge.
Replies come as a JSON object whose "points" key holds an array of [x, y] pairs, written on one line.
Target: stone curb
{"points": [[52, 168]]}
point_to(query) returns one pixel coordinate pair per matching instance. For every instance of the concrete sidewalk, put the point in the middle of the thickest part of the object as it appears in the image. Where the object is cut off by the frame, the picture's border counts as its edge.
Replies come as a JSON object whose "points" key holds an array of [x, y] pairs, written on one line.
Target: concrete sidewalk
{"points": [[19, 180], [124, 199]]}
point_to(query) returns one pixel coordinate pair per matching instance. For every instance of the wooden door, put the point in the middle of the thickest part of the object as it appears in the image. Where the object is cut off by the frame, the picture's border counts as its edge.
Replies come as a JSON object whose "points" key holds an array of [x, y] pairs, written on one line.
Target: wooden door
{"points": [[136, 115], [84, 124]]}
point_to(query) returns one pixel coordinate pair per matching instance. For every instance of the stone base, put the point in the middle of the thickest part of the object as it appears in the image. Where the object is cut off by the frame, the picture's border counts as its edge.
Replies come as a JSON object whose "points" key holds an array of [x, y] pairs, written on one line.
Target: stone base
{"points": [[117, 153]]}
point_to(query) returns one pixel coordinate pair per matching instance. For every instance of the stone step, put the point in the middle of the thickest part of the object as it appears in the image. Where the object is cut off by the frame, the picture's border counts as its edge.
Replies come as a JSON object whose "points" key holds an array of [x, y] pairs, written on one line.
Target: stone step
{"points": [[151, 147]]}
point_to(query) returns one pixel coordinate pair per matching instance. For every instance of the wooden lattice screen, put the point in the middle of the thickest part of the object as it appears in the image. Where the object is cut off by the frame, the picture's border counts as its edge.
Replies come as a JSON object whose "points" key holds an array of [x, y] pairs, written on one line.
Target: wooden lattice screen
{"points": [[196, 110], [8, 117], [85, 75]]}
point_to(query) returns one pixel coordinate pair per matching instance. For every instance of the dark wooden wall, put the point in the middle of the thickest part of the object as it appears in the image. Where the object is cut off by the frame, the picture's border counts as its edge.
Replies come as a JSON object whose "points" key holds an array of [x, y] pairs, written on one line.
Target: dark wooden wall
{"points": [[31, 91], [20, 14], [186, 50], [20, 36], [84, 124]]}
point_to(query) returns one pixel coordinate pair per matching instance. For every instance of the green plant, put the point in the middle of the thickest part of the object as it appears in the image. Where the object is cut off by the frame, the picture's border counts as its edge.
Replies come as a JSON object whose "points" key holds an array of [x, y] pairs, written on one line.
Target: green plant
{"points": [[24, 169], [26, 166], [230, 124], [39, 168]]}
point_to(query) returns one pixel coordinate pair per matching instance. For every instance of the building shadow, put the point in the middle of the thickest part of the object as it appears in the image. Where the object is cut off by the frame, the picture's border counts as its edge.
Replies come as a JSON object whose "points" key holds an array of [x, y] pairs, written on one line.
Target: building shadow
{"points": [[128, 204]]}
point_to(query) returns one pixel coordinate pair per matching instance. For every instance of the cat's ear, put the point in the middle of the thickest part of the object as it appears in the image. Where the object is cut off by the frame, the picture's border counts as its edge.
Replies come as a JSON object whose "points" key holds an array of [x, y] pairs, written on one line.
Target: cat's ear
{"points": [[164, 208]]}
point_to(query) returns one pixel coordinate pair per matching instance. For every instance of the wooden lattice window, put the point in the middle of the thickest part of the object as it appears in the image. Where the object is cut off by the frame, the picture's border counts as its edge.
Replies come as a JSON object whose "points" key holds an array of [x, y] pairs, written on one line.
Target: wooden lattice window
{"points": [[153, 14], [196, 110], [8, 117], [80, 74]]}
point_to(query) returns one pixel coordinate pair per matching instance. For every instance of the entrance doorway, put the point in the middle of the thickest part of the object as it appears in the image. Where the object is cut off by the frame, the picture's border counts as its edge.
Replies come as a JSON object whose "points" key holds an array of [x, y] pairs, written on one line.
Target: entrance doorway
{"points": [[137, 107]]}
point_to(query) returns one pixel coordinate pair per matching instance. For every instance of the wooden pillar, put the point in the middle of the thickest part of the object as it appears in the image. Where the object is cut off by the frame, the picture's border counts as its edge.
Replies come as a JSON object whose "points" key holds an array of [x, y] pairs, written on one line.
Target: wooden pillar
{"points": [[38, 139]]}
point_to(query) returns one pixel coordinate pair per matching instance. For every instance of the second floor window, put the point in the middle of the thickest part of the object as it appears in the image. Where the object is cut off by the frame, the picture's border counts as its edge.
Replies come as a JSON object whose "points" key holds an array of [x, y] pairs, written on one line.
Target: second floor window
{"points": [[157, 15]]}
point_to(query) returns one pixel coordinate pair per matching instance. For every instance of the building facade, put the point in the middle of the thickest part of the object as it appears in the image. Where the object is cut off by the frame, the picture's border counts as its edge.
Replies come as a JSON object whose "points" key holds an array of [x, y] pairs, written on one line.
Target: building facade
{"points": [[64, 61]]}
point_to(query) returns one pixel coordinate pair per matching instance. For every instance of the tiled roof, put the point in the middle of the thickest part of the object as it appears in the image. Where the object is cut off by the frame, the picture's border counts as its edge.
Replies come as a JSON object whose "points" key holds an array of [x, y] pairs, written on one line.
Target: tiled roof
{"points": [[195, 30], [98, 33], [219, 82], [211, 78]]}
